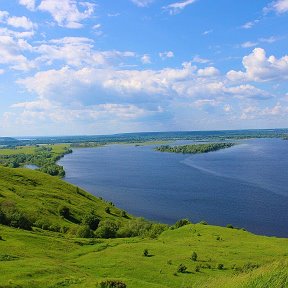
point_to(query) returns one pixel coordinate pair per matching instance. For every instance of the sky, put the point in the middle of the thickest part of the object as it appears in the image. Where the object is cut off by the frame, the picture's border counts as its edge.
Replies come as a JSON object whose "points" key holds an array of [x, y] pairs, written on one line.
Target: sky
{"points": [[93, 67]]}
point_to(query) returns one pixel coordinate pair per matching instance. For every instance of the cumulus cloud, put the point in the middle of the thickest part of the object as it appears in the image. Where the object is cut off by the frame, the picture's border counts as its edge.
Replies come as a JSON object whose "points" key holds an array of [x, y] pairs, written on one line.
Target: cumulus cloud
{"points": [[11, 53], [66, 13], [260, 68], [77, 51], [177, 7], [20, 22], [29, 4]]}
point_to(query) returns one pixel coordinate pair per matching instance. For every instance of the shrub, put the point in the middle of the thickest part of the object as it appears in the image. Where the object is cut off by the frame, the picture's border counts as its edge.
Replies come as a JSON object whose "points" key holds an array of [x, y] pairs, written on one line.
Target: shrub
{"points": [[112, 284], [3, 219], [203, 222], [194, 256], [181, 268], [64, 211], [220, 266], [123, 214], [84, 232], [181, 222], [229, 226], [19, 220], [107, 210], [197, 268], [91, 220], [107, 229], [146, 253]]}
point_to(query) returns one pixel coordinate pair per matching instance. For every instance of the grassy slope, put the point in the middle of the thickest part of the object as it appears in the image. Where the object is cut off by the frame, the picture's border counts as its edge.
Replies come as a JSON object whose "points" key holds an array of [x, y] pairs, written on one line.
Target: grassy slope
{"points": [[39, 196], [47, 259]]}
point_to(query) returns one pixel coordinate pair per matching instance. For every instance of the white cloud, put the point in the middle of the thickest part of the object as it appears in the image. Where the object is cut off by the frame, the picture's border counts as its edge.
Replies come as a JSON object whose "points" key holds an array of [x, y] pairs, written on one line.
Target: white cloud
{"points": [[207, 32], [250, 24], [66, 12], [198, 59], [258, 67], [177, 7], [227, 108], [146, 59], [20, 22], [29, 4], [142, 3], [279, 6], [77, 51], [270, 39], [249, 44], [11, 53], [165, 55], [208, 72]]}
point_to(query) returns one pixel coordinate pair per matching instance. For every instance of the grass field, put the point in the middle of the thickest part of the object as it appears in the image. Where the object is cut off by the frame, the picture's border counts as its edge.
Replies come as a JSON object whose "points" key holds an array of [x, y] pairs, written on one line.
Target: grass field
{"points": [[42, 258]]}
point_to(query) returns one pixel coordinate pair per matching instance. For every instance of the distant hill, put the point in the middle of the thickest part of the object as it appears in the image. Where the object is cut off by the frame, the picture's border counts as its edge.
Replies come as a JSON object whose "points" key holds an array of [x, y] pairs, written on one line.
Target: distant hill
{"points": [[8, 141]]}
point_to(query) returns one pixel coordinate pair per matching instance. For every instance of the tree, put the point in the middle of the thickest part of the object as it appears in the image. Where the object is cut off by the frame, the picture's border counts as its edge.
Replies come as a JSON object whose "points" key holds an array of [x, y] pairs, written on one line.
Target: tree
{"points": [[194, 256], [64, 211]]}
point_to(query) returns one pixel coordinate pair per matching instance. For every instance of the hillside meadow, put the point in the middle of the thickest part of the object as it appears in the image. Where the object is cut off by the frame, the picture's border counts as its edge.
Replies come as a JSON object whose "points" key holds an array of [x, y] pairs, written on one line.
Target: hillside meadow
{"points": [[54, 252]]}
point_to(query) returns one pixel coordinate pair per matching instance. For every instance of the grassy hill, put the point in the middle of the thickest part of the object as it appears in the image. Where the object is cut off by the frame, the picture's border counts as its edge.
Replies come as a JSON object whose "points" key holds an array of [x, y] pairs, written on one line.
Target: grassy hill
{"points": [[45, 258]]}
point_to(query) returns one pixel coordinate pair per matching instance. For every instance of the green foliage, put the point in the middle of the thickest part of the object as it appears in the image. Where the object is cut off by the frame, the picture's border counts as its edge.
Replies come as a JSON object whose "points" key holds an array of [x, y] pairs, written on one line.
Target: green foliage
{"points": [[107, 229], [84, 232], [112, 284], [146, 252], [181, 223], [194, 148], [220, 266], [64, 211], [45, 157], [92, 220], [203, 222], [194, 256], [230, 226], [181, 268], [107, 210]]}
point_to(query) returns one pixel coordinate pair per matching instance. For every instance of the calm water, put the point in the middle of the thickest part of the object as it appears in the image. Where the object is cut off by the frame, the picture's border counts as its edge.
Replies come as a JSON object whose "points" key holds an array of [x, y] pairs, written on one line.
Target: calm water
{"points": [[246, 185]]}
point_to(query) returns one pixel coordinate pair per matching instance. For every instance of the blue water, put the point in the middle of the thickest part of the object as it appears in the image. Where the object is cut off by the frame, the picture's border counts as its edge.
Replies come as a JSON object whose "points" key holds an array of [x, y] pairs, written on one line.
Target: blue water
{"points": [[246, 185]]}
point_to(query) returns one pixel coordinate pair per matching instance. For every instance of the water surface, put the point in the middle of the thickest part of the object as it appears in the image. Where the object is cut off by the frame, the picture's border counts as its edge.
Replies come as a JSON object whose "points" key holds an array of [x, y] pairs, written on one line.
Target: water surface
{"points": [[246, 185]]}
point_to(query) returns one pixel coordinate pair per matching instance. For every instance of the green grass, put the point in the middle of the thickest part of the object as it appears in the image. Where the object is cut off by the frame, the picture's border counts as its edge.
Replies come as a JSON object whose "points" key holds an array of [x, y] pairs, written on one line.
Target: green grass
{"points": [[41, 258]]}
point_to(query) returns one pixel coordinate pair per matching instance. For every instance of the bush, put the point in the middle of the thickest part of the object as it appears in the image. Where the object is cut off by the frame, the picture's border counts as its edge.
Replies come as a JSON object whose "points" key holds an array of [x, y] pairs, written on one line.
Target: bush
{"points": [[229, 226], [3, 219], [91, 220], [84, 232], [146, 253], [203, 222], [107, 210], [19, 220], [220, 266], [194, 256], [112, 284], [107, 229], [181, 268], [124, 214], [197, 268], [64, 211], [181, 222]]}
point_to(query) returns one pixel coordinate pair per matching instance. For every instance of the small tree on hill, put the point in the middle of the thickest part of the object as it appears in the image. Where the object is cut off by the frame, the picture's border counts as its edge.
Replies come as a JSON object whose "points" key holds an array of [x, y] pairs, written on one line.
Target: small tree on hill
{"points": [[64, 211], [194, 256]]}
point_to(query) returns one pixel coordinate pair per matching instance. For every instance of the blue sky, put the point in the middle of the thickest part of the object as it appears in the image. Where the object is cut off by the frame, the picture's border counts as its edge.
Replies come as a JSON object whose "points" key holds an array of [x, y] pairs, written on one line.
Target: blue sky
{"points": [[109, 66]]}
